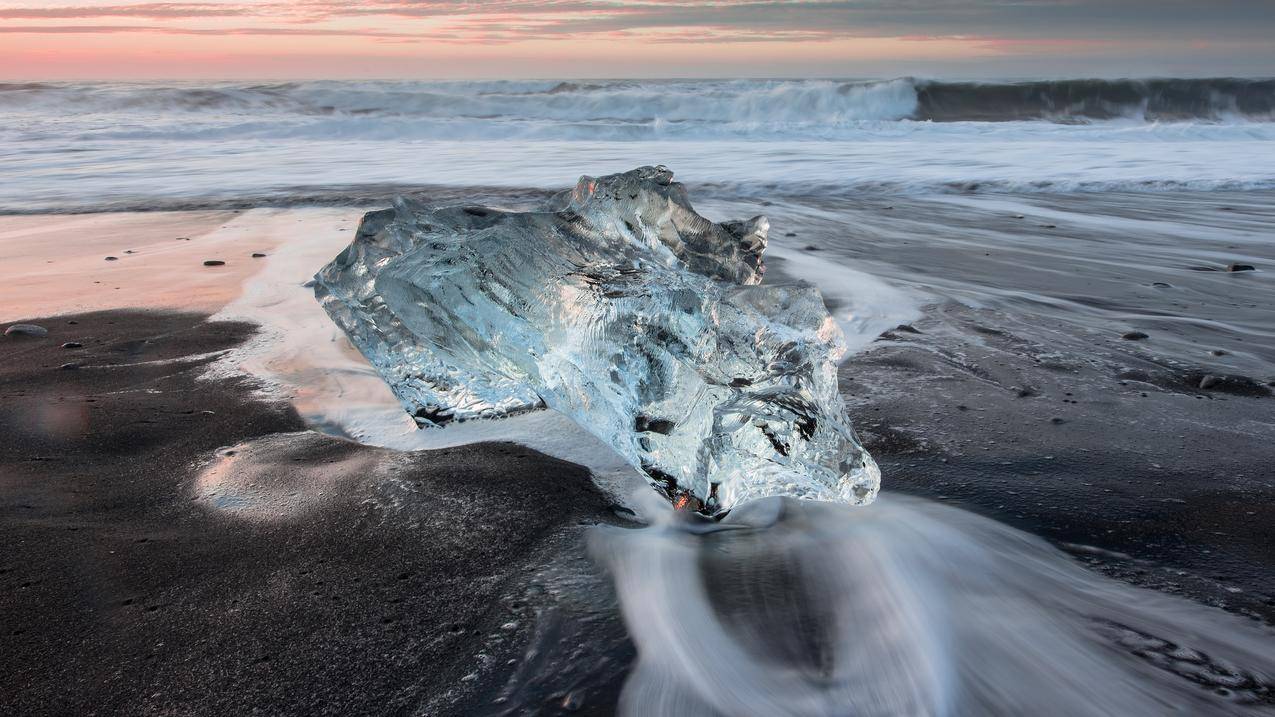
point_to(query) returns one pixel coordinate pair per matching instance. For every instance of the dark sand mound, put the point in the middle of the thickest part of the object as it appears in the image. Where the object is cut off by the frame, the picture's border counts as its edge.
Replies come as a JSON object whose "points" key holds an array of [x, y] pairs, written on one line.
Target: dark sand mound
{"points": [[343, 579]]}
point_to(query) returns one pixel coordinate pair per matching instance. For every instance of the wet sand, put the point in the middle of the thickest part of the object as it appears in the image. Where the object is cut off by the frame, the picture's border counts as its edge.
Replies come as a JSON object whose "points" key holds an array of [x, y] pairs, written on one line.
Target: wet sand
{"points": [[175, 545], [1012, 395]]}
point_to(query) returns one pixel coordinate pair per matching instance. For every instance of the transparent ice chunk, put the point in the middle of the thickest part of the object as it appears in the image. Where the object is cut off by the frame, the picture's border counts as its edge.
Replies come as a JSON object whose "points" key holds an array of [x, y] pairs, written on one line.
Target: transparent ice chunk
{"points": [[639, 319]]}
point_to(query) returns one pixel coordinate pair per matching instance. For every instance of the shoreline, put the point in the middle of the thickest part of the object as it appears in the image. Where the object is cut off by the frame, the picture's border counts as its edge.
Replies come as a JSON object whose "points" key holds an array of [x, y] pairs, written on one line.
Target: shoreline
{"points": [[1012, 396]]}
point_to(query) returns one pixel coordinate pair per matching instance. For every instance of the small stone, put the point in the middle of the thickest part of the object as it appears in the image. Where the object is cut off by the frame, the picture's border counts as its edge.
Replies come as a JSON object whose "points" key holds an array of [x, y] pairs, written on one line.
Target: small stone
{"points": [[1048, 226], [214, 262], [112, 258], [26, 330], [72, 345], [257, 255], [129, 251], [791, 234], [1133, 336], [69, 366], [1240, 267], [1019, 216], [1201, 268], [811, 247], [1210, 381], [1218, 352], [1056, 420], [1161, 285]]}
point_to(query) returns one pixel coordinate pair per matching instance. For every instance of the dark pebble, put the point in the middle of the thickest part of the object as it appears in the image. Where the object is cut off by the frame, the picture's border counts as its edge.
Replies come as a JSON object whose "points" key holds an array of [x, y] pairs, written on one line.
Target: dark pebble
{"points": [[26, 330], [214, 262], [1019, 216], [1240, 267], [1201, 268], [1134, 336], [1048, 226], [72, 345], [69, 366], [811, 247], [1056, 420], [112, 258], [791, 234], [257, 255], [129, 251], [1218, 352], [1161, 285]]}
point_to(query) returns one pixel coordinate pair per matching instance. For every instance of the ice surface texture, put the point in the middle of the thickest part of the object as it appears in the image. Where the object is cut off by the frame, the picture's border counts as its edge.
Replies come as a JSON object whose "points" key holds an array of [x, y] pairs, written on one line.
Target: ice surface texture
{"points": [[625, 310]]}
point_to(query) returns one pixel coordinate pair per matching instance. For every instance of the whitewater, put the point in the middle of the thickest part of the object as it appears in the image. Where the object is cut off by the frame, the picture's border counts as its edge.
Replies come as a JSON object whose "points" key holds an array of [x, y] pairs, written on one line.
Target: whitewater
{"points": [[80, 146]]}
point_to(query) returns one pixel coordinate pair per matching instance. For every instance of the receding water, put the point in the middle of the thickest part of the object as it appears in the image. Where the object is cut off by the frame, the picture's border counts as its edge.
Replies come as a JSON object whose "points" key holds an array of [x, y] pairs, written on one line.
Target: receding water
{"points": [[907, 607]]}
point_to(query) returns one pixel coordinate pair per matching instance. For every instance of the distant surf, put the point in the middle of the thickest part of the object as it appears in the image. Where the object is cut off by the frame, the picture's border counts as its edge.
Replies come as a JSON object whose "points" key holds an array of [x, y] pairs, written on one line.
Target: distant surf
{"points": [[123, 145]]}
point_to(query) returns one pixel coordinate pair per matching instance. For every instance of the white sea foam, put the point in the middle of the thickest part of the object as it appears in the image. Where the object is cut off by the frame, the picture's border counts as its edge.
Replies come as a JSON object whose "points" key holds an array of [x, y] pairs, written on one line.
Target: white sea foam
{"points": [[69, 146]]}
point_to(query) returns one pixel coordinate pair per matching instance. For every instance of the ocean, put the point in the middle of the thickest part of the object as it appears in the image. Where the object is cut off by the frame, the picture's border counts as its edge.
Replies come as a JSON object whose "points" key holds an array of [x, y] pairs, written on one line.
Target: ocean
{"points": [[79, 146], [1056, 299]]}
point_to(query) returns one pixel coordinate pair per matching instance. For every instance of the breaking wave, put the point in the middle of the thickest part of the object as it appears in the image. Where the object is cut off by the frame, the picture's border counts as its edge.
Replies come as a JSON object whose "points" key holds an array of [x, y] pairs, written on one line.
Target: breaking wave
{"points": [[81, 146], [617, 110]]}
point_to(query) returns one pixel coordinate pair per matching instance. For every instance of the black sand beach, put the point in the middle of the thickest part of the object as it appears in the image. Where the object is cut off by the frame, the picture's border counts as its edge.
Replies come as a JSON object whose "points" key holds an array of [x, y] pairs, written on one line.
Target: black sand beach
{"points": [[149, 570], [360, 581]]}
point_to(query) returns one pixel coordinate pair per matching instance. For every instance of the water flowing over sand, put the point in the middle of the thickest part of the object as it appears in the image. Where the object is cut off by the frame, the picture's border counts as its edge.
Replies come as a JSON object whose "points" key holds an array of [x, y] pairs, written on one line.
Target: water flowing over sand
{"points": [[907, 607]]}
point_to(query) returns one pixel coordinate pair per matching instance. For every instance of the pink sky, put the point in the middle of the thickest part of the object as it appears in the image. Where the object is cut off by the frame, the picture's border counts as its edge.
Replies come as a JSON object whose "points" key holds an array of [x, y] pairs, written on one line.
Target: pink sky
{"points": [[617, 38]]}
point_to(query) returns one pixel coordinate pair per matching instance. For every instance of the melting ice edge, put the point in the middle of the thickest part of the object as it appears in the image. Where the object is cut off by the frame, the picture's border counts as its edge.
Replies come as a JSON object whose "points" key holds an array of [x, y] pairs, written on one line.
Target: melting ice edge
{"points": [[622, 308]]}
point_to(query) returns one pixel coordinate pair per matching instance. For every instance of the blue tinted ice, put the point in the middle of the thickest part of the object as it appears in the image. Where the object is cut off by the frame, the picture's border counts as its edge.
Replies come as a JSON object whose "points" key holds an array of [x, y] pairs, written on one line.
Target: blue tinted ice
{"points": [[625, 310]]}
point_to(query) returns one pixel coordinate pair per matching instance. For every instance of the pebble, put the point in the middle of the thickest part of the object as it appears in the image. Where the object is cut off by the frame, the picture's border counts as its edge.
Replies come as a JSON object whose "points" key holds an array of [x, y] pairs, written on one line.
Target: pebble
{"points": [[112, 258], [1056, 420], [214, 262], [811, 247], [69, 366], [1161, 285], [1240, 267], [1218, 352], [72, 345], [257, 255], [791, 234], [1048, 226], [26, 330], [1134, 336]]}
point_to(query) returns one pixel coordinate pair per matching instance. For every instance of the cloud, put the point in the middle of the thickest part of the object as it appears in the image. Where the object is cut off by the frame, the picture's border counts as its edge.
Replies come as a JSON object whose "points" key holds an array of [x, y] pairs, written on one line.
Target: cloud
{"points": [[1070, 21]]}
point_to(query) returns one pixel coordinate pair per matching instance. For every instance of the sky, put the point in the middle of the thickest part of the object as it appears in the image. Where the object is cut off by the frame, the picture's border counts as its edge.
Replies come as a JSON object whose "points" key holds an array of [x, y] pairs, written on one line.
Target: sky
{"points": [[446, 39]]}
